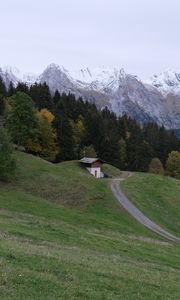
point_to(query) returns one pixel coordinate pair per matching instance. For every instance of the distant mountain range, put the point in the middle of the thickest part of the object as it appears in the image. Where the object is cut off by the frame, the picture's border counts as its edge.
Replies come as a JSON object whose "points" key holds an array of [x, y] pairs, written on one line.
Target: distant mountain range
{"points": [[157, 99]]}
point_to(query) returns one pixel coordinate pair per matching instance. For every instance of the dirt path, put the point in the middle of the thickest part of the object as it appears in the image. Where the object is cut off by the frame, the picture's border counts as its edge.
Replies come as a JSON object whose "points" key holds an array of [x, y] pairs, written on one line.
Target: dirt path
{"points": [[137, 214]]}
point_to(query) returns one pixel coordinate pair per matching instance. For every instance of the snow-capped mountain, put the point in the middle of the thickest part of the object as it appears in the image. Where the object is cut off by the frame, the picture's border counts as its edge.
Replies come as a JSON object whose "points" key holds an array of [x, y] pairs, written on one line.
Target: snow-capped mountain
{"points": [[167, 82], [8, 75], [155, 100], [99, 78], [57, 78], [14, 75]]}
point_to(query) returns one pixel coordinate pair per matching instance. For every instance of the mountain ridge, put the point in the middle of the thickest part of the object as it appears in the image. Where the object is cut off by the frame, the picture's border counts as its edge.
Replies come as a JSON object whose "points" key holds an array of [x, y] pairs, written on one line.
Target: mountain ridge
{"points": [[157, 99]]}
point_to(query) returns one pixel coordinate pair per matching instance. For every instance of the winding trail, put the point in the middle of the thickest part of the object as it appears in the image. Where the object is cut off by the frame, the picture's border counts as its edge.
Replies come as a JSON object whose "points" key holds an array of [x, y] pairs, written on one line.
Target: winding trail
{"points": [[137, 214]]}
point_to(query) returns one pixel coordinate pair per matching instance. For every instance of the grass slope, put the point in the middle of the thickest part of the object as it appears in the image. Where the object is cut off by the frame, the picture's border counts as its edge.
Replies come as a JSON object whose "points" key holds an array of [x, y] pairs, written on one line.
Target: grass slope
{"points": [[62, 237], [111, 171]]}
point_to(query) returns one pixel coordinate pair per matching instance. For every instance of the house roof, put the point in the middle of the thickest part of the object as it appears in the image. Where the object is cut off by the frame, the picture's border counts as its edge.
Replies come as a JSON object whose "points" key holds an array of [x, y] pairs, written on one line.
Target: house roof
{"points": [[90, 160]]}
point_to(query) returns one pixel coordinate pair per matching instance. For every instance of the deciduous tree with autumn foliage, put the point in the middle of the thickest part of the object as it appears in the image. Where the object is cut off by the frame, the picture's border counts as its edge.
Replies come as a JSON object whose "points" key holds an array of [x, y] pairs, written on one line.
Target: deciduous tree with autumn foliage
{"points": [[46, 144], [48, 137], [173, 164]]}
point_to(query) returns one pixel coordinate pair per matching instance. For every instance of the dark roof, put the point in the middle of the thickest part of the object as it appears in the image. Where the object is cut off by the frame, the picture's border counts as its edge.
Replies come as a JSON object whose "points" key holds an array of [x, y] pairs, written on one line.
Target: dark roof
{"points": [[90, 160]]}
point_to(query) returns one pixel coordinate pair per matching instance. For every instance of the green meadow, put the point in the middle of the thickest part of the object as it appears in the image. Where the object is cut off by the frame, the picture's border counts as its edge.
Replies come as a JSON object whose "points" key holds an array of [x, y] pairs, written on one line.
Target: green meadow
{"points": [[63, 235]]}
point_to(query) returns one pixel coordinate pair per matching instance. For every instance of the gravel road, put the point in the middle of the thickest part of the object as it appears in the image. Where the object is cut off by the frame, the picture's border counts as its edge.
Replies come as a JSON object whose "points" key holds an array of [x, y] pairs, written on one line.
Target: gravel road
{"points": [[137, 214]]}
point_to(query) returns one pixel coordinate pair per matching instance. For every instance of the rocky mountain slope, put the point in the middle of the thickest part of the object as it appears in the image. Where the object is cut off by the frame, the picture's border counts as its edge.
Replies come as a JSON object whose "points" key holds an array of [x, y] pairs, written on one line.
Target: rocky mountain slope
{"points": [[155, 100]]}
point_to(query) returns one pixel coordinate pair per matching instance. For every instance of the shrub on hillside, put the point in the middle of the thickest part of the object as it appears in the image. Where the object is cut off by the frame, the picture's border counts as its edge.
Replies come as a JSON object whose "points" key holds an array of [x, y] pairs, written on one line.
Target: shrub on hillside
{"points": [[156, 166]]}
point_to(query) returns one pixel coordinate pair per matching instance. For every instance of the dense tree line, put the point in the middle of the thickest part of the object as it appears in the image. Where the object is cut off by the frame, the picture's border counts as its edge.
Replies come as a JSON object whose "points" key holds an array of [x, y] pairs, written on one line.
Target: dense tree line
{"points": [[60, 127]]}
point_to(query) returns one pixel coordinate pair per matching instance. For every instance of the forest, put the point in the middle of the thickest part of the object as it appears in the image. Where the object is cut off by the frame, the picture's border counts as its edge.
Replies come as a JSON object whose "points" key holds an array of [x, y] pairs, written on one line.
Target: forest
{"points": [[60, 127]]}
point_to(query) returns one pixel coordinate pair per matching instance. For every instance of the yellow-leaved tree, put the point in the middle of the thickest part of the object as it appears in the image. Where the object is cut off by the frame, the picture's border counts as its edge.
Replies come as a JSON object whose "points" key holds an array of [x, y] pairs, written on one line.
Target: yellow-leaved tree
{"points": [[45, 114], [46, 145], [48, 137]]}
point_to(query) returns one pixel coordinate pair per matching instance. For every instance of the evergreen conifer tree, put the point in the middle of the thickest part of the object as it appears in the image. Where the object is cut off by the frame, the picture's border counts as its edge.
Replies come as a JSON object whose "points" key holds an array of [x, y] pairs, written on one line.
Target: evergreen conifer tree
{"points": [[11, 89], [7, 162], [65, 139], [56, 97], [3, 90]]}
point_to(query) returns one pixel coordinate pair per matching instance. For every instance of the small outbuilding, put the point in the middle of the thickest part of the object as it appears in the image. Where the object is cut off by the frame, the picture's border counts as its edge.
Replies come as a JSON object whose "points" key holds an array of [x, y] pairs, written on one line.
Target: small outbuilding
{"points": [[93, 165]]}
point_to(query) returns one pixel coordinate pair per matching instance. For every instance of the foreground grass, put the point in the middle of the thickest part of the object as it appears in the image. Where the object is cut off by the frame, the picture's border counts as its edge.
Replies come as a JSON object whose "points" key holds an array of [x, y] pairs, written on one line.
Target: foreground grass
{"points": [[62, 236]]}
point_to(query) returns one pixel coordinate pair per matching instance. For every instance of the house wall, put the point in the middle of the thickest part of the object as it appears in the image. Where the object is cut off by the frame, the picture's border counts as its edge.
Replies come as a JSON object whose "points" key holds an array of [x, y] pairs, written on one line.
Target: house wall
{"points": [[102, 174], [95, 172]]}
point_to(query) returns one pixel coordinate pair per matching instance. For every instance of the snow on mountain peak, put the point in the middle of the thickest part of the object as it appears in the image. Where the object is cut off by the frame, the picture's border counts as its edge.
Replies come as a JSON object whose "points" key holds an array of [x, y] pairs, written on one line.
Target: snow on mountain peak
{"points": [[98, 78], [56, 67], [95, 78], [167, 82], [15, 75]]}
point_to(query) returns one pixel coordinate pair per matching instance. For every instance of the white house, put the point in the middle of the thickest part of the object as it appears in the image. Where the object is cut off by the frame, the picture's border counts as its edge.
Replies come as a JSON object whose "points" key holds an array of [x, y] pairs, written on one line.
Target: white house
{"points": [[93, 165]]}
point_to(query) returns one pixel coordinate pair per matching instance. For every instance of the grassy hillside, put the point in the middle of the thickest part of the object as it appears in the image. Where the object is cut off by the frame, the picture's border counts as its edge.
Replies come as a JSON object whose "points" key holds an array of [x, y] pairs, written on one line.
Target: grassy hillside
{"points": [[62, 236], [111, 171], [158, 197]]}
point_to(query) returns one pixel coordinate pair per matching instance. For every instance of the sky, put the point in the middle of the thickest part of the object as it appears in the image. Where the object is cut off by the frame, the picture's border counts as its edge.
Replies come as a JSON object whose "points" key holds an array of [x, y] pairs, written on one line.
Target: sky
{"points": [[141, 36]]}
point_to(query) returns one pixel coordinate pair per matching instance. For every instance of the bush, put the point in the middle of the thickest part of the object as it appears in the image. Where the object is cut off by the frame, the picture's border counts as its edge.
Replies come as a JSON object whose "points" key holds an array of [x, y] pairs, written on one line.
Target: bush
{"points": [[156, 166]]}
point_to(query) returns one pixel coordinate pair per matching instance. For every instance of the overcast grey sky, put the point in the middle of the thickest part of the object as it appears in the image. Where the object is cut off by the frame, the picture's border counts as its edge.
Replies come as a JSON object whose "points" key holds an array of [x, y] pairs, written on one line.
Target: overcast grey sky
{"points": [[142, 36]]}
